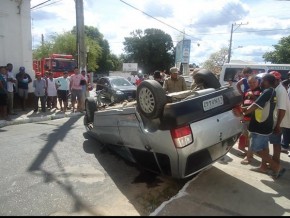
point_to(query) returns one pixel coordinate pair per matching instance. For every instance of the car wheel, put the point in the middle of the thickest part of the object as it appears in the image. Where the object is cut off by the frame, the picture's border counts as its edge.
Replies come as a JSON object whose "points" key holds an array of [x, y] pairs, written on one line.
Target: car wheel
{"points": [[207, 78], [151, 99], [91, 107]]}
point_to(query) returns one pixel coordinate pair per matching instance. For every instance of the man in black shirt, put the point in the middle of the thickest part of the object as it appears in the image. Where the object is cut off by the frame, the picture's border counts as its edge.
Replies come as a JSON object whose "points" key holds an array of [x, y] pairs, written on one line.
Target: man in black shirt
{"points": [[262, 123], [23, 79]]}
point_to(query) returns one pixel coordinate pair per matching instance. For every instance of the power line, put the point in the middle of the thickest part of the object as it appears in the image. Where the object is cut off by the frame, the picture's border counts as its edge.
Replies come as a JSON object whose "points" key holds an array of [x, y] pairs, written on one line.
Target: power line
{"points": [[48, 4], [40, 4], [249, 31], [158, 20]]}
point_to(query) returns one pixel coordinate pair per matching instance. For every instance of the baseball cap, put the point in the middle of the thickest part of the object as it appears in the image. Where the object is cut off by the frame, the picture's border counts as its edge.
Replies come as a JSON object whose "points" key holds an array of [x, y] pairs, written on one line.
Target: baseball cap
{"points": [[276, 74], [38, 74], [174, 70], [22, 69]]}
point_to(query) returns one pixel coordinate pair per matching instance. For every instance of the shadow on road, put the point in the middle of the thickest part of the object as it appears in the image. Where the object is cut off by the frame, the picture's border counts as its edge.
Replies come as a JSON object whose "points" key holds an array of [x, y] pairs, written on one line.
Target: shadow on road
{"points": [[36, 167], [52, 139], [218, 193], [144, 190]]}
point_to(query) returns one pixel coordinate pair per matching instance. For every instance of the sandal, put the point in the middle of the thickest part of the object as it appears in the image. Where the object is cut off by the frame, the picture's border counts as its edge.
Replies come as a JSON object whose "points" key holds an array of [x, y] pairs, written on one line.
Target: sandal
{"points": [[259, 170], [279, 174], [246, 162]]}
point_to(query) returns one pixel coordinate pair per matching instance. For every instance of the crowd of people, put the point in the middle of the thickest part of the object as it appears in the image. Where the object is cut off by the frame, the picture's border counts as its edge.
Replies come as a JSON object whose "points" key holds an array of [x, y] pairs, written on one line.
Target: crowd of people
{"points": [[47, 90], [265, 115], [265, 111], [171, 82]]}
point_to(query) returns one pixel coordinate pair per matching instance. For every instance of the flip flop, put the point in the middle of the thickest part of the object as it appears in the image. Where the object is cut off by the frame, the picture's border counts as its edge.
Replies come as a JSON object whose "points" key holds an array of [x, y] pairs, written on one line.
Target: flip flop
{"points": [[246, 162], [259, 170], [279, 174]]}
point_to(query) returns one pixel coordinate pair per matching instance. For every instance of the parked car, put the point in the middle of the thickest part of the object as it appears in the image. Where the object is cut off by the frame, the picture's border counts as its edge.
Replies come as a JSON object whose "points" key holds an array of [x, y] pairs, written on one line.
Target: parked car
{"points": [[233, 71], [177, 134], [116, 89]]}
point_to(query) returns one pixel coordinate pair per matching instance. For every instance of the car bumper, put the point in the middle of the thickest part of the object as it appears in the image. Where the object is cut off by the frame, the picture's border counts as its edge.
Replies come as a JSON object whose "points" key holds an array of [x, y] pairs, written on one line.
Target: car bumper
{"points": [[200, 160], [126, 96]]}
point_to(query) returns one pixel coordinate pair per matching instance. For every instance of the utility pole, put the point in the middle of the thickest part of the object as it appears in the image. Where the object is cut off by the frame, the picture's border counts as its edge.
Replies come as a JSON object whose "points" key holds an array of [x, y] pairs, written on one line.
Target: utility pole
{"points": [[42, 40], [231, 39], [80, 26]]}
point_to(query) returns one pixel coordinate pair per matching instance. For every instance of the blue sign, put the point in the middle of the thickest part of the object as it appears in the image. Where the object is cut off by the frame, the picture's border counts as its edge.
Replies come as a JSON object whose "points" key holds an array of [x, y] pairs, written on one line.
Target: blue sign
{"points": [[183, 51]]}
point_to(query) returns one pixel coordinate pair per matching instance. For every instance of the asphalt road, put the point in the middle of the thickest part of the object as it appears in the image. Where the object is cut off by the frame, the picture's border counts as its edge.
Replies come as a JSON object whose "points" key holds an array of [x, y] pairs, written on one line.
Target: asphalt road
{"points": [[55, 168]]}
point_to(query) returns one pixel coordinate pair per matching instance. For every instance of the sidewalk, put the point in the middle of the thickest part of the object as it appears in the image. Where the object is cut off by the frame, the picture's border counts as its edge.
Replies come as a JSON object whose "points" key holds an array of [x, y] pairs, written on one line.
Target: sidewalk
{"points": [[232, 189], [29, 116]]}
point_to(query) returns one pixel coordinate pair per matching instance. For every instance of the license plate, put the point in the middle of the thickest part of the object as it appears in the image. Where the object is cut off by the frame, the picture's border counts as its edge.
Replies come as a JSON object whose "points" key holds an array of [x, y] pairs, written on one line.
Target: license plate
{"points": [[213, 103]]}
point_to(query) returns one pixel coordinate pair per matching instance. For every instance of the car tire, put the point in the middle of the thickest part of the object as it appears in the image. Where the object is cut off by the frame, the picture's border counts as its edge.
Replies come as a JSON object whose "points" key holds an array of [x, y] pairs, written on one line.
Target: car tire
{"points": [[112, 99], [207, 78], [91, 107], [151, 99]]}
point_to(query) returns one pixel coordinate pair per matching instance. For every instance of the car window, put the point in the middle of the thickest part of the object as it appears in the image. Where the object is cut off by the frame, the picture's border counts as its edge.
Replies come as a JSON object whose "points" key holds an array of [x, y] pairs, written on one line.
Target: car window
{"points": [[235, 74], [120, 82]]}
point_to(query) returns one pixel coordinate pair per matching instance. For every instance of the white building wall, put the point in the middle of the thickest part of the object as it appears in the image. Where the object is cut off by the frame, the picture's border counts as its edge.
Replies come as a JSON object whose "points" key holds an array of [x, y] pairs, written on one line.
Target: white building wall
{"points": [[15, 35]]}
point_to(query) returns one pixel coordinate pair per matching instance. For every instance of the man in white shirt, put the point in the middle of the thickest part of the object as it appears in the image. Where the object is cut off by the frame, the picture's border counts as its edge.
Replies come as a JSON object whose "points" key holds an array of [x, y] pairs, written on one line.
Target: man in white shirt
{"points": [[62, 84], [11, 81], [282, 119]]}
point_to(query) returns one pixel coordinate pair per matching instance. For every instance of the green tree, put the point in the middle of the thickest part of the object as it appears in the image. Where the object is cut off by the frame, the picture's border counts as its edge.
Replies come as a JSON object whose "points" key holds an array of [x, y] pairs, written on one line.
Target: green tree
{"points": [[281, 54], [99, 57], [152, 49], [43, 50], [104, 62], [216, 61]]}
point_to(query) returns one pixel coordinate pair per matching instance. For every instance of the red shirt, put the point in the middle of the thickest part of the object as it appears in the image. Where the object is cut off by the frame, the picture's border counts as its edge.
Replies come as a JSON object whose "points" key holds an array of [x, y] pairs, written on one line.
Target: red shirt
{"points": [[139, 81], [249, 98]]}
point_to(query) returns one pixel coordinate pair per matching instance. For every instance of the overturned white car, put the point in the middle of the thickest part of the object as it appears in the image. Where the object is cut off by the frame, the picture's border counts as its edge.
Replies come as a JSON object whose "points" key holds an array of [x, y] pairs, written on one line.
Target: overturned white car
{"points": [[178, 134]]}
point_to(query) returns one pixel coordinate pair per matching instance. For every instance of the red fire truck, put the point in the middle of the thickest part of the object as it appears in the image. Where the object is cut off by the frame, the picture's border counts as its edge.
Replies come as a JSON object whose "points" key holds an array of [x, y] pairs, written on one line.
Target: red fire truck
{"points": [[56, 63]]}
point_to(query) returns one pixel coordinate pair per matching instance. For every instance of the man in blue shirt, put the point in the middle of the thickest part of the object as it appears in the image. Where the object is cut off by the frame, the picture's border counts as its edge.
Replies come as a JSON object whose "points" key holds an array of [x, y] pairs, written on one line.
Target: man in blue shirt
{"points": [[247, 72], [3, 94]]}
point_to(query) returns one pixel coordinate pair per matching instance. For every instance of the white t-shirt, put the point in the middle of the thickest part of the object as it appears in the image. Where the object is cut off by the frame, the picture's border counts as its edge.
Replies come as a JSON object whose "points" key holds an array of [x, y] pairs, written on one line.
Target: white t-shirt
{"points": [[10, 84], [289, 93], [133, 79], [283, 103]]}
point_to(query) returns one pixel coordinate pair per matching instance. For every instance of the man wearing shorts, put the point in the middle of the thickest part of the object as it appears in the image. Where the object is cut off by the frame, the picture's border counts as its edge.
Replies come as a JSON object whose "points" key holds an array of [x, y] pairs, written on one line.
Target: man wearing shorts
{"points": [[282, 118], [261, 125], [23, 79], [76, 89], [250, 96], [63, 91]]}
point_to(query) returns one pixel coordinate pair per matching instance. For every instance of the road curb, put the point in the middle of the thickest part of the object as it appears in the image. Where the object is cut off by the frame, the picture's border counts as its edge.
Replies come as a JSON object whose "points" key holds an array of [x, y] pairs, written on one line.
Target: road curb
{"points": [[37, 119]]}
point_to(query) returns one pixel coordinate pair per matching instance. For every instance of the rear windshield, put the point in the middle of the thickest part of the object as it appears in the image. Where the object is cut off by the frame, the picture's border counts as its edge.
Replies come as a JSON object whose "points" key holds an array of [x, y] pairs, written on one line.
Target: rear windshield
{"points": [[235, 74]]}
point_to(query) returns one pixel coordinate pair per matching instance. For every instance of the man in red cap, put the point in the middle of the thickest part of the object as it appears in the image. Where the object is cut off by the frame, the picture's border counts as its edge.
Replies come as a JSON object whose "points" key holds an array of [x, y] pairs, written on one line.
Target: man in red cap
{"points": [[282, 118]]}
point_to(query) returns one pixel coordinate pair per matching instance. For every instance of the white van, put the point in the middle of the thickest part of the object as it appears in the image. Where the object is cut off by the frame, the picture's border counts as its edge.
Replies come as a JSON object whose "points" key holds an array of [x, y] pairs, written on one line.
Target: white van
{"points": [[232, 72]]}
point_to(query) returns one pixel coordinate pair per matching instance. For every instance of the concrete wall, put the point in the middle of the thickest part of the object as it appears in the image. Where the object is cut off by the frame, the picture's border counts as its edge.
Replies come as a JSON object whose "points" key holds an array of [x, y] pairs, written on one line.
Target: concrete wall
{"points": [[15, 35]]}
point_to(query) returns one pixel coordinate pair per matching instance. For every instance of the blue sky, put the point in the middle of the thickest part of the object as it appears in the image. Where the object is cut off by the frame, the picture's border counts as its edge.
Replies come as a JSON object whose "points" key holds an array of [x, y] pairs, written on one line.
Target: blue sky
{"points": [[205, 22]]}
